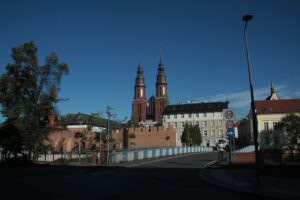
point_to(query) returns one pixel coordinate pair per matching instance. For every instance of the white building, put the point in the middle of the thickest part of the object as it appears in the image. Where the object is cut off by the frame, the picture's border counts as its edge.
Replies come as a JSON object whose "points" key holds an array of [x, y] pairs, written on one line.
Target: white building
{"points": [[208, 116]]}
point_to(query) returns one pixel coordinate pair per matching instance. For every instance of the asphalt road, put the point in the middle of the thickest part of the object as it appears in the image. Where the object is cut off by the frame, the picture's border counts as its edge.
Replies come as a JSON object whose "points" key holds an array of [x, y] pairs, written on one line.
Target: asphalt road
{"points": [[172, 178]]}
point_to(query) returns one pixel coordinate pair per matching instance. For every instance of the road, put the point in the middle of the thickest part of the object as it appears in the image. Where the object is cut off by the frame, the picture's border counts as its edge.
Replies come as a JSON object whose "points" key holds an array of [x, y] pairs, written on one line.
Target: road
{"points": [[175, 178]]}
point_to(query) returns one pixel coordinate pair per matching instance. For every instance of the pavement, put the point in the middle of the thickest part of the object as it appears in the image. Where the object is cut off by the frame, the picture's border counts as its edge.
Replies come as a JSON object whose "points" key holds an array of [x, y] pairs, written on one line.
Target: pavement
{"points": [[243, 179]]}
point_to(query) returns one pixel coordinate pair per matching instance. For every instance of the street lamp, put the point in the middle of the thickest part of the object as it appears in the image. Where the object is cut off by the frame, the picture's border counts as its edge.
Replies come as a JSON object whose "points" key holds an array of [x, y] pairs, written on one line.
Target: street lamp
{"points": [[247, 18]]}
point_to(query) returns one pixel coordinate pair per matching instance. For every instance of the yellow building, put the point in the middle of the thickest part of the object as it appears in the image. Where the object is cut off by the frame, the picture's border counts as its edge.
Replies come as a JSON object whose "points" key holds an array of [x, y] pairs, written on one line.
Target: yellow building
{"points": [[270, 111]]}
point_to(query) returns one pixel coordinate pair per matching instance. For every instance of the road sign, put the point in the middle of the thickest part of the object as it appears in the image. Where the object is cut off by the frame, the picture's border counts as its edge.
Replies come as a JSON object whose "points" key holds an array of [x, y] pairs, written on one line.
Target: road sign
{"points": [[229, 124], [228, 114], [230, 133]]}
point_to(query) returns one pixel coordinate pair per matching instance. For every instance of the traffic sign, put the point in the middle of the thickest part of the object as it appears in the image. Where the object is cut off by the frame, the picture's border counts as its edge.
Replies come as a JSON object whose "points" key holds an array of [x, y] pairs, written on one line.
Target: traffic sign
{"points": [[230, 133], [228, 114], [229, 124]]}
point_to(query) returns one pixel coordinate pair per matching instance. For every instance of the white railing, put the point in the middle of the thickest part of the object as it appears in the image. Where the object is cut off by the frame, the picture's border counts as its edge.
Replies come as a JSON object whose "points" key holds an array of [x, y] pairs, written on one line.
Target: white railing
{"points": [[141, 154]]}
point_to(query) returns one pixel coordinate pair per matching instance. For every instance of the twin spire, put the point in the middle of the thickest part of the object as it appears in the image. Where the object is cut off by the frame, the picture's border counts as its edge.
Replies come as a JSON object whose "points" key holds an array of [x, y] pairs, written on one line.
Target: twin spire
{"points": [[143, 109]]}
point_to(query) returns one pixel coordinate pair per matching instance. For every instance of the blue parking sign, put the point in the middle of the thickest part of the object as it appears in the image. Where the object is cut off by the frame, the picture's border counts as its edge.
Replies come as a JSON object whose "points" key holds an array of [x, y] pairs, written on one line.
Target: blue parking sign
{"points": [[230, 133]]}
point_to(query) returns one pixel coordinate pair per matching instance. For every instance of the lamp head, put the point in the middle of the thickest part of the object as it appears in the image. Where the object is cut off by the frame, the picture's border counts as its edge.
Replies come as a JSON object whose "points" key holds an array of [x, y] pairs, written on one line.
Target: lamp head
{"points": [[247, 18]]}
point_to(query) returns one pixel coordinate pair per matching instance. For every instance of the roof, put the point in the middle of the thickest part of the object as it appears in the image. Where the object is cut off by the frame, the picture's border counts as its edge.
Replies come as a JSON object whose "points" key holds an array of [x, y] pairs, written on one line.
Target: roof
{"points": [[195, 107], [277, 106]]}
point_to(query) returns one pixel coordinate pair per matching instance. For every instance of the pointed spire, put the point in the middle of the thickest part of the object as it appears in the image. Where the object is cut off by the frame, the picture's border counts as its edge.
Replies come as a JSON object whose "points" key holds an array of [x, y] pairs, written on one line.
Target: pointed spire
{"points": [[160, 53], [272, 88], [160, 65], [273, 95], [140, 68]]}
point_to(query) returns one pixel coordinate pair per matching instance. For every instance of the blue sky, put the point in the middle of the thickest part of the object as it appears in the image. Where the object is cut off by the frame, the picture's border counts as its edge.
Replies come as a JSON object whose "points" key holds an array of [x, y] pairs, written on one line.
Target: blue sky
{"points": [[202, 41]]}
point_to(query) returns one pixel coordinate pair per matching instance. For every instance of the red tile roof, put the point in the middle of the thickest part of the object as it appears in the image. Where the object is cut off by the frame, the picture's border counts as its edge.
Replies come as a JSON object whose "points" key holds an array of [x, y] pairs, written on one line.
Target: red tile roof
{"points": [[278, 106]]}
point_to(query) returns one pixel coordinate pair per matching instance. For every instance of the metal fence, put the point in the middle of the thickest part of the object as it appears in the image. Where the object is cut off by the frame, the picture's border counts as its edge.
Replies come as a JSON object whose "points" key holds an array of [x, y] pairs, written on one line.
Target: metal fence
{"points": [[88, 157], [280, 157]]}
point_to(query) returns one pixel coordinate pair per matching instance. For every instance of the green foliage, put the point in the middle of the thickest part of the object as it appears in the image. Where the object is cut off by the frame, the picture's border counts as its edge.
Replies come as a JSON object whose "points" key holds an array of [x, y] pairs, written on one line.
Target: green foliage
{"points": [[28, 91], [191, 135], [290, 125], [10, 138]]}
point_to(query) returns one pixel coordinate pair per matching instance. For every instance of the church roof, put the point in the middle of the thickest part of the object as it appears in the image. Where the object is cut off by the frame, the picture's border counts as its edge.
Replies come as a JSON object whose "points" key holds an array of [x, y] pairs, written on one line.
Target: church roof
{"points": [[195, 108]]}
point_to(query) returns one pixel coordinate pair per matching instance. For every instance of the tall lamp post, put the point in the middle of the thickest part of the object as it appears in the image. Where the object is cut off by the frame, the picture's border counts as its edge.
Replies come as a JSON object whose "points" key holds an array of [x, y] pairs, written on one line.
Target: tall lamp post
{"points": [[247, 18]]}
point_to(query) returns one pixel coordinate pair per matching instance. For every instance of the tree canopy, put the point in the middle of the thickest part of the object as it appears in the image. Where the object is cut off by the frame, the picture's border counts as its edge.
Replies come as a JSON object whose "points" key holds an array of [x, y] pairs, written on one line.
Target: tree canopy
{"points": [[290, 125], [29, 92], [191, 135]]}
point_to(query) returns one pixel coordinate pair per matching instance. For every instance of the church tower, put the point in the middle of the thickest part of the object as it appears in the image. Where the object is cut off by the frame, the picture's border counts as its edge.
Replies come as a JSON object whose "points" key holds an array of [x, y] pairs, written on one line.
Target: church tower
{"points": [[273, 96], [139, 105], [161, 97]]}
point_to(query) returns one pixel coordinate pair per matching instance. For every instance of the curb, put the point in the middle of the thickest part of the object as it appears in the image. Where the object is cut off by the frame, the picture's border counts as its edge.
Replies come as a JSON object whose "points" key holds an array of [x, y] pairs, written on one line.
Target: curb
{"points": [[205, 176]]}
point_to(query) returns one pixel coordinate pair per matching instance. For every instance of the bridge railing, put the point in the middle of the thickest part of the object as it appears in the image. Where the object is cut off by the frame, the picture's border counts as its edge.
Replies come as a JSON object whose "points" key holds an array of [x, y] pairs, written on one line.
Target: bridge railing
{"points": [[141, 154]]}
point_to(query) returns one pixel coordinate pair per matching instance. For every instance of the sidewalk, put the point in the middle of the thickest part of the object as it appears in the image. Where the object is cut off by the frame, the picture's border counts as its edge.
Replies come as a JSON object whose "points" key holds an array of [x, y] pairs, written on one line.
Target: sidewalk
{"points": [[244, 180]]}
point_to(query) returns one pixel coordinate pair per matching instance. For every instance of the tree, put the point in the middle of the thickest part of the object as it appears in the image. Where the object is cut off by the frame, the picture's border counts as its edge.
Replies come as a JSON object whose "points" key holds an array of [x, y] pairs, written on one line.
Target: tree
{"points": [[191, 135], [28, 92], [10, 139], [290, 126]]}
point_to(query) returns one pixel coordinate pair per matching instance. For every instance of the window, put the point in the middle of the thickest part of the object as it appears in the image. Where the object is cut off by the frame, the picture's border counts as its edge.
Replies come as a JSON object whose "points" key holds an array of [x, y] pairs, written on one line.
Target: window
{"points": [[275, 124], [205, 132], [204, 115], [182, 116], [212, 123], [205, 123], [164, 119], [175, 116], [190, 123], [190, 115], [267, 140], [182, 124], [168, 116], [276, 142], [197, 115], [266, 125], [175, 125], [197, 123], [220, 132], [220, 123], [212, 114], [212, 133]]}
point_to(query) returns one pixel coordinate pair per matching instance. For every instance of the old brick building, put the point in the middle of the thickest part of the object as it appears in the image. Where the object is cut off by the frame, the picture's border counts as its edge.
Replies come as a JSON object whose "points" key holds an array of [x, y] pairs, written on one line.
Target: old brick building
{"points": [[151, 110]]}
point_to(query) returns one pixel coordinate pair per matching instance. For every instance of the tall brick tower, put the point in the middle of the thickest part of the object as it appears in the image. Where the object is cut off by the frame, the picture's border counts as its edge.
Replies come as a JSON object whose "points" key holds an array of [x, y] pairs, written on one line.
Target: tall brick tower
{"points": [[161, 97], [139, 105]]}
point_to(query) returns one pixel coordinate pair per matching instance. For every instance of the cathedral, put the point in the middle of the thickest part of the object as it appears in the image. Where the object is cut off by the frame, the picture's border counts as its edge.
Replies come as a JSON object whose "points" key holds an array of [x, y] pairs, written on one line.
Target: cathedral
{"points": [[151, 109]]}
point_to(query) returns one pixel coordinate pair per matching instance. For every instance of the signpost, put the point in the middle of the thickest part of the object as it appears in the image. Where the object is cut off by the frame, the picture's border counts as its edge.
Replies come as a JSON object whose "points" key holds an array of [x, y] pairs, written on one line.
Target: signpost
{"points": [[229, 117]]}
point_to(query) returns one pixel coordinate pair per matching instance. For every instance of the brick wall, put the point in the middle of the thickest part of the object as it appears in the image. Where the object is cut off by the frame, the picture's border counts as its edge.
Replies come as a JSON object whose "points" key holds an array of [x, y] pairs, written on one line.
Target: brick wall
{"points": [[145, 137], [243, 158], [65, 140]]}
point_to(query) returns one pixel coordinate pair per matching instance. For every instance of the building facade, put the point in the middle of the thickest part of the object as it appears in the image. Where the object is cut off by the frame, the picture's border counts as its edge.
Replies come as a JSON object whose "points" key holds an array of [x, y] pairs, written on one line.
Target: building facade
{"points": [[208, 116], [151, 110], [270, 111]]}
